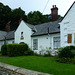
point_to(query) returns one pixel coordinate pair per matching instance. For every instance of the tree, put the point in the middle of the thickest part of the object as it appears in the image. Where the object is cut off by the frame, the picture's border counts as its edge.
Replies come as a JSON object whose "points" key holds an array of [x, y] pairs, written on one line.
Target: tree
{"points": [[4, 11], [36, 17], [15, 16], [7, 14]]}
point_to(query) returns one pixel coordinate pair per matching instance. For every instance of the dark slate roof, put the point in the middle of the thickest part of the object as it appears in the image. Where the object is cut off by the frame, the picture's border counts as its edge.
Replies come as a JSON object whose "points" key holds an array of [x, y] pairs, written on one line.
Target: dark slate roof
{"points": [[10, 35], [7, 35], [2, 35], [30, 25], [47, 28]]}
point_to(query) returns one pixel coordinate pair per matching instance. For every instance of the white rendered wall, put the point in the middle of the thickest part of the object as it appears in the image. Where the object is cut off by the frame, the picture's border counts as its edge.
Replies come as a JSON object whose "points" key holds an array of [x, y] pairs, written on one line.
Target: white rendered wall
{"points": [[67, 26], [45, 41], [9, 41], [26, 34]]}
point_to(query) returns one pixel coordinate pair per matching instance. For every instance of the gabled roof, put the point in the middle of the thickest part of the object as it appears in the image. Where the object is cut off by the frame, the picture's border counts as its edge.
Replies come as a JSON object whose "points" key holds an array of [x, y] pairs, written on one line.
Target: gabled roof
{"points": [[68, 10], [47, 28], [41, 29], [30, 25]]}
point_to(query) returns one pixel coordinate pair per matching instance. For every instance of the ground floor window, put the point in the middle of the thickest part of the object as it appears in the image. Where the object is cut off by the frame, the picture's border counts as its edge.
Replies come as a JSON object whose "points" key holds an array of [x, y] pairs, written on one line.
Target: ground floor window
{"points": [[13, 41], [35, 44], [56, 42]]}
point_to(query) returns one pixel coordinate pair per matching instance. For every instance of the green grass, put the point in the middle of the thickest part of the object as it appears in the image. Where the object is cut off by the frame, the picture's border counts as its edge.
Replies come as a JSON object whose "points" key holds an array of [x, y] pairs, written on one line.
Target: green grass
{"points": [[41, 64]]}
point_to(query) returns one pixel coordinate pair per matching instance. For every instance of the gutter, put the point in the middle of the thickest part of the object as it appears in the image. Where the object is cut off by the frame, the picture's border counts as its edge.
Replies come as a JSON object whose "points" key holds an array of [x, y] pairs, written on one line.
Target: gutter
{"points": [[43, 34]]}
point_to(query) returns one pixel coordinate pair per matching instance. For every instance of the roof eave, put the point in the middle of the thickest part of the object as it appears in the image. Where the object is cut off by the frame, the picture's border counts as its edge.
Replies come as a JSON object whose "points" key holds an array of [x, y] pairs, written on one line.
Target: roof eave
{"points": [[43, 34]]}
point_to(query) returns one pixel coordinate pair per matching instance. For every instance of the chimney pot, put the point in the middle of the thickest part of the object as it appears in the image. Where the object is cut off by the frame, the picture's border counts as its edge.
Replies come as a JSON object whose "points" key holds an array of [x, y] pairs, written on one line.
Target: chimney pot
{"points": [[54, 12], [53, 6], [7, 27]]}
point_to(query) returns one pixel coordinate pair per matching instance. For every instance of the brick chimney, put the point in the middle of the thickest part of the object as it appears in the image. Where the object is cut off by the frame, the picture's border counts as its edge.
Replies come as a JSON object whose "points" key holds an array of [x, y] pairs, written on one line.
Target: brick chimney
{"points": [[20, 20], [7, 27], [54, 13]]}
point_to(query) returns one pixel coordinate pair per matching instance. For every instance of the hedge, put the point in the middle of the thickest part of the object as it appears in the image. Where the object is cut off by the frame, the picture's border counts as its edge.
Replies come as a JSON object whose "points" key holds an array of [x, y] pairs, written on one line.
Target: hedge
{"points": [[16, 49], [4, 49]]}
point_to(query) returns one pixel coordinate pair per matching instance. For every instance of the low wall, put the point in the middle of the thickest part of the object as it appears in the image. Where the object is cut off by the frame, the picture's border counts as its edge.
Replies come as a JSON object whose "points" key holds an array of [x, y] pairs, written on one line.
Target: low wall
{"points": [[6, 69]]}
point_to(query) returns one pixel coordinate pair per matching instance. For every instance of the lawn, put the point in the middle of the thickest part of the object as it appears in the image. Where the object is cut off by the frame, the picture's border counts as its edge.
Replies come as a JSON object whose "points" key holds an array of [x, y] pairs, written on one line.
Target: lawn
{"points": [[41, 64]]}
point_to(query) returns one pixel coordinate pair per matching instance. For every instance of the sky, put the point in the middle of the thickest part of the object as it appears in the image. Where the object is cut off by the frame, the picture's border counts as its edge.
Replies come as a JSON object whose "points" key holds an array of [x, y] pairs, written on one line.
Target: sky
{"points": [[39, 5]]}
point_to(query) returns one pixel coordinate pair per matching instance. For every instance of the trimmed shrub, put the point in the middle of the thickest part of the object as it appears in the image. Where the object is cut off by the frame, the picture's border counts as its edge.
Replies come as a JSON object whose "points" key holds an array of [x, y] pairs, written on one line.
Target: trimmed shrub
{"points": [[66, 60], [29, 52], [16, 49], [66, 52], [4, 49]]}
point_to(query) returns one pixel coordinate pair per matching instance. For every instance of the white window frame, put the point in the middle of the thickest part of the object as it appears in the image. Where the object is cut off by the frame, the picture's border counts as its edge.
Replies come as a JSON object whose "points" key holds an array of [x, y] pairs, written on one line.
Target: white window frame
{"points": [[56, 42], [35, 44]]}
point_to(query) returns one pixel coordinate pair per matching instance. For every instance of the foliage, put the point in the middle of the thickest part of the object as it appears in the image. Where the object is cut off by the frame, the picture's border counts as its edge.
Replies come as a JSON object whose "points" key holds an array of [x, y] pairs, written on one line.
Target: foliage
{"points": [[4, 49], [66, 60], [48, 52], [16, 49], [29, 52], [36, 54], [7, 14], [15, 16], [4, 11], [66, 52], [36, 17]]}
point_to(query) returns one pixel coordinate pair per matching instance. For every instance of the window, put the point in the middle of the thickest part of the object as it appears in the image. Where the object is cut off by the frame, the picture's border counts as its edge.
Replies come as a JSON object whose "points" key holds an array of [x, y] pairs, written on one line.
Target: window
{"points": [[65, 38], [22, 36], [56, 42], [12, 41], [69, 40], [35, 44], [74, 38]]}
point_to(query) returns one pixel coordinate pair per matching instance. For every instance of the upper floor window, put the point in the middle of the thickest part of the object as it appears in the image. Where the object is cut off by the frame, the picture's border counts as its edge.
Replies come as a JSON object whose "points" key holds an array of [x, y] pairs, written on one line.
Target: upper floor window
{"points": [[22, 36]]}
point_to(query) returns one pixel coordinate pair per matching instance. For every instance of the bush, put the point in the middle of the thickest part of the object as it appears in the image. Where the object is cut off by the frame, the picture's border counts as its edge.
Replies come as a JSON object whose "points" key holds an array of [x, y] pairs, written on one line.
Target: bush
{"points": [[66, 60], [66, 52], [4, 49], [16, 49], [48, 53], [29, 52]]}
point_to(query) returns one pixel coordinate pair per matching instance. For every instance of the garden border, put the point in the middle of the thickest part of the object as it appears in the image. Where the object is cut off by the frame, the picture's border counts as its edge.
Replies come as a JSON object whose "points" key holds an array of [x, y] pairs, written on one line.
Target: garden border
{"points": [[21, 71]]}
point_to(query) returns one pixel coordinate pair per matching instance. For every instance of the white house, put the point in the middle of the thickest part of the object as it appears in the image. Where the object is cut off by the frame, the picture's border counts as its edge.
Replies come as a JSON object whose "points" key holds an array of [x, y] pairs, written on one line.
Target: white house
{"points": [[67, 27], [38, 37], [42, 36], [54, 34]]}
